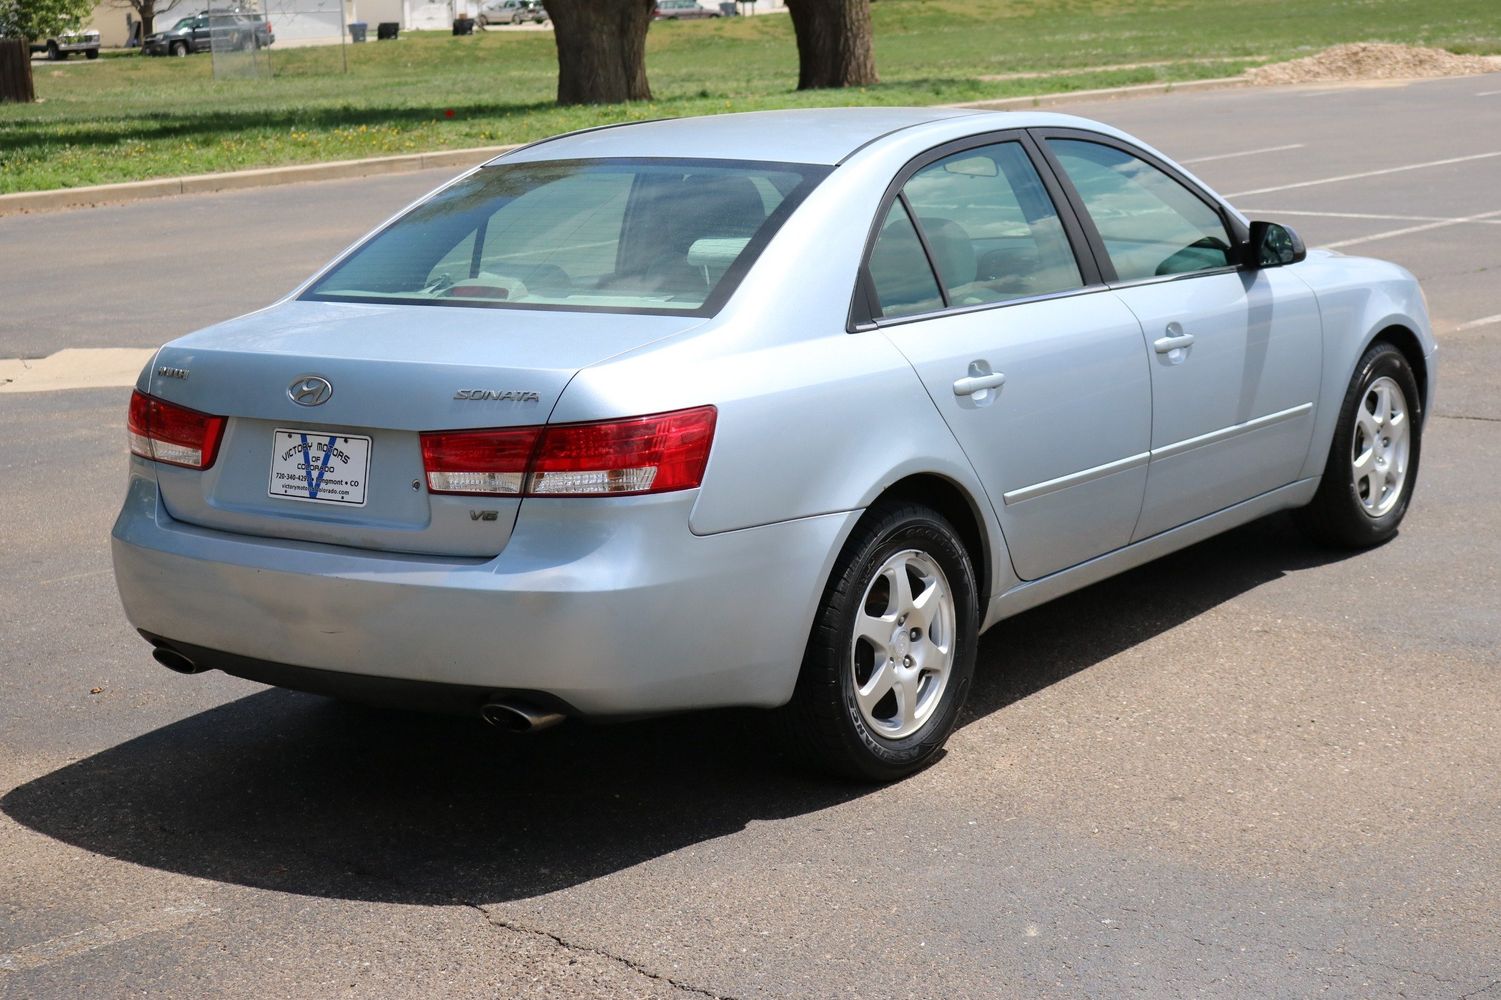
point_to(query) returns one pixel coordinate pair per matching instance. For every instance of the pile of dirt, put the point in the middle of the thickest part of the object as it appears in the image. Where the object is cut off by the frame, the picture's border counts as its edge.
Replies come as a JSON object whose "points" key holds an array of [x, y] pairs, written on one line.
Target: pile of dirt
{"points": [[1371, 61]]}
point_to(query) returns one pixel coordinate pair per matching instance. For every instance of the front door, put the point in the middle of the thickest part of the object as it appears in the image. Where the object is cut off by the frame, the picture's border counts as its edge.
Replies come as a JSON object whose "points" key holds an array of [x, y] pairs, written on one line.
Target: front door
{"points": [[1235, 353]]}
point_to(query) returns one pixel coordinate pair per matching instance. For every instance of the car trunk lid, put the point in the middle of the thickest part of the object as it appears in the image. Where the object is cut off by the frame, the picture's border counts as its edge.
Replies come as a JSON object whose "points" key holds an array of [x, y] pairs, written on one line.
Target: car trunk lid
{"points": [[346, 468]]}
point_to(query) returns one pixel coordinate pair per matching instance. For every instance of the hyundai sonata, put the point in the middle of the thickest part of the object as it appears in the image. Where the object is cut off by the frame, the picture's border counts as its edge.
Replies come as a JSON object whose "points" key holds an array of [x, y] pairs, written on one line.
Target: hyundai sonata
{"points": [[777, 410]]}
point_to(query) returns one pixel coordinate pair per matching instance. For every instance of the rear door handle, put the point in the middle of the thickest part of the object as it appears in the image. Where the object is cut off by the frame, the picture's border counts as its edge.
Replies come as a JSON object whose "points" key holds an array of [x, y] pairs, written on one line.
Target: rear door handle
{"points": [[972, 384]]}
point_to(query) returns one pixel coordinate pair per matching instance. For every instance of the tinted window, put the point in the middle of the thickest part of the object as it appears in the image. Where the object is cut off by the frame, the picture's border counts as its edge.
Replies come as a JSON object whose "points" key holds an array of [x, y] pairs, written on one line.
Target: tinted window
{"points": [[991, 226], [899, 270], [1151, 224], [657, 235]]}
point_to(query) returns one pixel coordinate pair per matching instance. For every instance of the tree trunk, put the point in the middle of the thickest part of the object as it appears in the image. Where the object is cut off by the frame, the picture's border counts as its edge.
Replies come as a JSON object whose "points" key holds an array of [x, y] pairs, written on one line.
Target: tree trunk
{"points": [[833, 43], [148, 20], [15, 71], [601, 49]]}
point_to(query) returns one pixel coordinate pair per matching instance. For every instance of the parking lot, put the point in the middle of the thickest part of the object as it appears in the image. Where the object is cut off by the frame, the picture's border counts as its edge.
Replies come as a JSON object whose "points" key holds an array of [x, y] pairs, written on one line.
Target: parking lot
{"points": [[1254, 768]]}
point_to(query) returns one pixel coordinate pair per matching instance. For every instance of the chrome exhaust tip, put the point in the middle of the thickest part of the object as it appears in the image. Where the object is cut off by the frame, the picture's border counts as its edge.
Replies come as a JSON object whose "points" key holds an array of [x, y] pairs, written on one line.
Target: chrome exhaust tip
{"points": [[519, 717], [173, 660]]}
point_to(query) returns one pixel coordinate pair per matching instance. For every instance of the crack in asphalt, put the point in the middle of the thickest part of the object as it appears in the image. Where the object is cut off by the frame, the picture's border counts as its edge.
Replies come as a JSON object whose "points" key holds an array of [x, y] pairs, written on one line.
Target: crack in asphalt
{"points": [[562, 942], [1483, 989], [364, 871], [1466, 416]]}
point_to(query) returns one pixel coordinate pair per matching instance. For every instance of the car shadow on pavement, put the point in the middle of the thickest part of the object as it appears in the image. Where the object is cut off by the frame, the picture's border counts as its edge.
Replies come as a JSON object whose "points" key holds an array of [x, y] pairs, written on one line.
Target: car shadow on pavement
{"points": [[295, 793]]}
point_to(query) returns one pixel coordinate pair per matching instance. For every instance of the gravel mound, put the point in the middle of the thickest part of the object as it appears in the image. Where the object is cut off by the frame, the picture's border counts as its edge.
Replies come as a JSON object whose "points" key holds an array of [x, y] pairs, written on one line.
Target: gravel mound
{"points": [[1371, 61]]}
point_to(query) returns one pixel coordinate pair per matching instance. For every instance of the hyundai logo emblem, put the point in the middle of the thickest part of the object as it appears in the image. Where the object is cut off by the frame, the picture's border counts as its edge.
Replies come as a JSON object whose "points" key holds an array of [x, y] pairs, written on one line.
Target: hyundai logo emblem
{"points": [[310, 390]]}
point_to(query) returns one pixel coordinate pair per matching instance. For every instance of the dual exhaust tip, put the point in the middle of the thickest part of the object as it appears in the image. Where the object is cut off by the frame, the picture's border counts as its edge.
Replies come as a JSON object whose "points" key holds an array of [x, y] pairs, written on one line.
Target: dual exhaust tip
{"points": [[502, 713]]}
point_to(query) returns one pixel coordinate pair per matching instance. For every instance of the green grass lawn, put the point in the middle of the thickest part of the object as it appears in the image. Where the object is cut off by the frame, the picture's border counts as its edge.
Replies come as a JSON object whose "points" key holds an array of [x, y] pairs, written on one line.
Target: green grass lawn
{"points": [[132, 118]]}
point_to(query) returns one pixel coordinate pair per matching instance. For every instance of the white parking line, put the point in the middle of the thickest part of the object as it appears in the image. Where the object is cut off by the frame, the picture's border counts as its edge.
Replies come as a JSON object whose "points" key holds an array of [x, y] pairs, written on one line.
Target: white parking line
{"points": [[1367, 173], [1269, 213], [1483, 321], [1245, 152], [1410, 229], [1488, 93], [101, 936]]}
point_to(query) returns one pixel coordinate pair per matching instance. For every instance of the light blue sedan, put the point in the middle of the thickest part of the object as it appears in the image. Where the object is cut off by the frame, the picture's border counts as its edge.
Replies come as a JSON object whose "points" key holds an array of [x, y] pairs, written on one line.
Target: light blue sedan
{"points": [[776, 410]]}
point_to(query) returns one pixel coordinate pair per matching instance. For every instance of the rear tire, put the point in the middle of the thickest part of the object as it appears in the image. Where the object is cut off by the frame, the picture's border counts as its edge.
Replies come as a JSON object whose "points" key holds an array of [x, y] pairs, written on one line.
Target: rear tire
{"points": [[91, 54], [892, 651], [1373, 460], [54, 53]]}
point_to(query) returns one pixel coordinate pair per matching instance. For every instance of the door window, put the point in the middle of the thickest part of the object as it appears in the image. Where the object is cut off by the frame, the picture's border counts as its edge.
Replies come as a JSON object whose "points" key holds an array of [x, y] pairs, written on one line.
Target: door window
{"points": [[899, 269], [991, 230], [991, 226], [1151, 224]]}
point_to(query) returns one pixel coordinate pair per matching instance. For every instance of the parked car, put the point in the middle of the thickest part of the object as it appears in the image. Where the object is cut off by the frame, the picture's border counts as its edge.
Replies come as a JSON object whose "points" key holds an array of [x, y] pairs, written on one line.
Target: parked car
{"points": [[65, 45], [776, 410], [681, 10], [235, 31], [512, 12]]}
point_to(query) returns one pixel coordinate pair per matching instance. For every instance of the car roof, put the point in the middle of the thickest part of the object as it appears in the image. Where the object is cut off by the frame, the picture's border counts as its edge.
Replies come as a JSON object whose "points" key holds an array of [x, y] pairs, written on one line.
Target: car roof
{"points": [[809, 135]]}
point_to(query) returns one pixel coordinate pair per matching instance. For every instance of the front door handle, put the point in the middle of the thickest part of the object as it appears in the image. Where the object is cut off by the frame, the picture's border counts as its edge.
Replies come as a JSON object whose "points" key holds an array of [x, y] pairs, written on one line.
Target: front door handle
{"points": [[1176, 339], [972, 384]]}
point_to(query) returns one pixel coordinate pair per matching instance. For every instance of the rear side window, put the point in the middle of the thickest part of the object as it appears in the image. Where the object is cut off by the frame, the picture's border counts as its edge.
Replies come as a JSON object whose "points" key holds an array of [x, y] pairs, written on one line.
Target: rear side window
{"points": [[1151, 224], [991, 226], [991, 231], [899, 271], [603, 235]]}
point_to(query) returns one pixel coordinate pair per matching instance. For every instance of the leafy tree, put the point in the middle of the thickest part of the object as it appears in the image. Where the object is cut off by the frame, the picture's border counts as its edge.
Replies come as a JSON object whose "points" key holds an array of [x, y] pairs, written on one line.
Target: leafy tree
{"points": [[601, 49], [33, 19], [834, 47]]}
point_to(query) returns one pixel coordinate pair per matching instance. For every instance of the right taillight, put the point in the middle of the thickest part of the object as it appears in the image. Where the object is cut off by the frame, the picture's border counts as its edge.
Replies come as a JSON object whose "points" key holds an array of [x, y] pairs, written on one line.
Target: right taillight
{"points": [[176, 435], [660, 453]]}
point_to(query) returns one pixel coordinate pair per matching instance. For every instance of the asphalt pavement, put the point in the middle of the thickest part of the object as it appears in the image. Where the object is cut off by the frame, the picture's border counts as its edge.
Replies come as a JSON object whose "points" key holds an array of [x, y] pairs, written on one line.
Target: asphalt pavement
{"points": [[1252, 769]]}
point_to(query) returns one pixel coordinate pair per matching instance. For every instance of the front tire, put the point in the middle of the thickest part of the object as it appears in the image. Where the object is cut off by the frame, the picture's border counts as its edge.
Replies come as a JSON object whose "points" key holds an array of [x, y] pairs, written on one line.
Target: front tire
{"points": [[1373, 460], [892, 651], [179, 48]]}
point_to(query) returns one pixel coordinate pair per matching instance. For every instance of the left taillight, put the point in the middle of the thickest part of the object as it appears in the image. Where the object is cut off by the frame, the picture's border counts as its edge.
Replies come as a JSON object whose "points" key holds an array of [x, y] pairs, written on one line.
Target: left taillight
{"points": [[176, 435]]}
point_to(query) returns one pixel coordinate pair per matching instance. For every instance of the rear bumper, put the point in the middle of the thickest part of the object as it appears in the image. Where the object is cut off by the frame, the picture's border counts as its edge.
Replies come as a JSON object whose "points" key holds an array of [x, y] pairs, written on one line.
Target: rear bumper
{"points": [[611, 607]]}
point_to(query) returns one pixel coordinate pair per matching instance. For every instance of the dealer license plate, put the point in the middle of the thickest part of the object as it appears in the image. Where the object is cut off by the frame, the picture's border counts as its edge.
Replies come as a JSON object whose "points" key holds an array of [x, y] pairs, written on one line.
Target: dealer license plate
{"points": [[318, 467]]}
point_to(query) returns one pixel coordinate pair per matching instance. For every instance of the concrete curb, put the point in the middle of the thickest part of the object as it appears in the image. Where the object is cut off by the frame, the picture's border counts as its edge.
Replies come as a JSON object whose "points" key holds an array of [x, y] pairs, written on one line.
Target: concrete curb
{"points": [[101, 194]]}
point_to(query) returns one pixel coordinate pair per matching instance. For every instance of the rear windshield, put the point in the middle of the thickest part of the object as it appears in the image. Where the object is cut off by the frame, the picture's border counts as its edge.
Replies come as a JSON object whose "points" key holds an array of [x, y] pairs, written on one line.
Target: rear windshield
{"points": [[659, 236]]}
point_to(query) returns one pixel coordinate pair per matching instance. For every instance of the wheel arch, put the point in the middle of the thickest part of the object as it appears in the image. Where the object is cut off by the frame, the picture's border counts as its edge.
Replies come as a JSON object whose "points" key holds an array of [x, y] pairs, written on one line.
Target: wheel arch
{"points": [[955, 504], [1406, 341]]}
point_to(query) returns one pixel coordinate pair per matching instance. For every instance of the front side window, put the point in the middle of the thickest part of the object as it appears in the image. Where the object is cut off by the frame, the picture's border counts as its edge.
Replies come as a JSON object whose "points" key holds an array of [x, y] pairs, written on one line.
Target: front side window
{"points": [[602, 235], [1151, 224]]}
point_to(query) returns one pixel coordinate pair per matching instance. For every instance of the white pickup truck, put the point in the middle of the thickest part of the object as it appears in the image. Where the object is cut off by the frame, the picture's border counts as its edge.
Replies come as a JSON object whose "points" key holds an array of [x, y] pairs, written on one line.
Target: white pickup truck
{"points": [[63, 46]]}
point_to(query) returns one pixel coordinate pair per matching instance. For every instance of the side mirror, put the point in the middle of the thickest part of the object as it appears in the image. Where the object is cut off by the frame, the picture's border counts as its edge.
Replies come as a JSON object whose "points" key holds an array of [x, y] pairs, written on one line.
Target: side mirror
{"points": [[1272, 245]]}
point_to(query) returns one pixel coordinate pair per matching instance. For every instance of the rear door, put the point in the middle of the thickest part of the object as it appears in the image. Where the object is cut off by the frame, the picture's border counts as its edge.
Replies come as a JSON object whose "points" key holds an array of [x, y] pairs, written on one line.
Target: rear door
{"points": [[1235, 353], [1038, 370]]}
